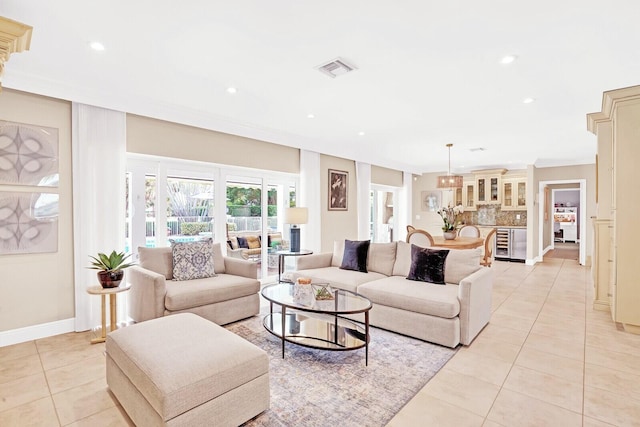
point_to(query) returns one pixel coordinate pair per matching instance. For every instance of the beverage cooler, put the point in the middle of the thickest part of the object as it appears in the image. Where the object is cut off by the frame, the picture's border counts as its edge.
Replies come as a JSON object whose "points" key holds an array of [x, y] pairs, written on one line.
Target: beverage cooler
{"points": [[511, 244]]}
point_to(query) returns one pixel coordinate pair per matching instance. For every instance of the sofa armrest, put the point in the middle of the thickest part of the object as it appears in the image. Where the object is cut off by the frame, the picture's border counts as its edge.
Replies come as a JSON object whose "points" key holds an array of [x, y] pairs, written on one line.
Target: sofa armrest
{"points": [[314, 261], [474, 294], [146, 297], [240, 267], [239, 253]]}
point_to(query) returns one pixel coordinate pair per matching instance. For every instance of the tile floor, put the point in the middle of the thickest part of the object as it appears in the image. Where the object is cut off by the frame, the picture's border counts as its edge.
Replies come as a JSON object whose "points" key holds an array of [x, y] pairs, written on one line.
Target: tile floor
{"points": [[546, 359]]}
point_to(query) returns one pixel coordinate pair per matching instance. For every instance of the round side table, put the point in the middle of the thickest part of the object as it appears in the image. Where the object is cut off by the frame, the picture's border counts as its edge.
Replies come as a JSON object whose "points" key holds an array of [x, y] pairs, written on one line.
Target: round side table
{"points": [[103, 292]]}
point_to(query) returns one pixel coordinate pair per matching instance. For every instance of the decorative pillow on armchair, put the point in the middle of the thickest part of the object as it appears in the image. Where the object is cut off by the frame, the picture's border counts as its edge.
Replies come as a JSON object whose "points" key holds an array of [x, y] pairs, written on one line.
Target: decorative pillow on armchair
{"points": [[192, 260], [253, 242], [427, 265], [355, 255]]}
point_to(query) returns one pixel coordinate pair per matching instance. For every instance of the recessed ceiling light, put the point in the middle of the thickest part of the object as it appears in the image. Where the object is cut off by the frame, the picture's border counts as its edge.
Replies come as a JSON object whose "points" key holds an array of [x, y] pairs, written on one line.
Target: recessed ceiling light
{"points": [[310, 116], [232, 89], [528, 100], [96, 46], [508, 59], [361, 133]]}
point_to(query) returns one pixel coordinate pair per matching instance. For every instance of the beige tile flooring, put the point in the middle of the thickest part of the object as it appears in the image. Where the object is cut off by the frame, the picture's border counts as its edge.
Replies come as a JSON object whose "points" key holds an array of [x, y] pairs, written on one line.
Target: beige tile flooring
{"points": [[546, 359]]}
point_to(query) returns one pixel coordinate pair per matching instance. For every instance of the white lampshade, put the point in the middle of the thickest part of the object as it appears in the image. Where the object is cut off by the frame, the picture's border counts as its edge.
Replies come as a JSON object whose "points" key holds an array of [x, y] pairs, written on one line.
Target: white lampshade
{"points": [[296, 215]]}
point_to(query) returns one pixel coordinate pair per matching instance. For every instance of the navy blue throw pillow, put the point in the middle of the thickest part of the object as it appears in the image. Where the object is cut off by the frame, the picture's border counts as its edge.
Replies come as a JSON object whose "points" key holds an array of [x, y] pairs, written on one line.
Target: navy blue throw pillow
{"points": [[427, 265], [242, 243], [355, 255]]}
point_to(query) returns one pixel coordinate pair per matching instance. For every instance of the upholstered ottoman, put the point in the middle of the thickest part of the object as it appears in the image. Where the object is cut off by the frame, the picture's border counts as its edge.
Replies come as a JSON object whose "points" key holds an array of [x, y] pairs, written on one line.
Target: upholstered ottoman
{"points": [[183, 370]]}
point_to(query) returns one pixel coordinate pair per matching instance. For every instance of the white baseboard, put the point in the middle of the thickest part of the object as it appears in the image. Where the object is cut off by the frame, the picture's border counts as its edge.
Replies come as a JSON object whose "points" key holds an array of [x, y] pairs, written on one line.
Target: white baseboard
{"points": [[16, 336]]}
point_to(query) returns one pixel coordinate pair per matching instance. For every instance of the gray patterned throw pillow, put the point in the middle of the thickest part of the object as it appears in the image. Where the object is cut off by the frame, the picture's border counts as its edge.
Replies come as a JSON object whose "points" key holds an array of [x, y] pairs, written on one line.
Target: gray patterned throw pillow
{"points": [[192, 260]]}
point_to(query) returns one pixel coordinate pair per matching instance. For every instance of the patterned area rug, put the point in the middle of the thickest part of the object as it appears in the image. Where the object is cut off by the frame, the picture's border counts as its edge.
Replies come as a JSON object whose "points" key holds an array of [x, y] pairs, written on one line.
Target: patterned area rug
{"points": [[322, 388]]}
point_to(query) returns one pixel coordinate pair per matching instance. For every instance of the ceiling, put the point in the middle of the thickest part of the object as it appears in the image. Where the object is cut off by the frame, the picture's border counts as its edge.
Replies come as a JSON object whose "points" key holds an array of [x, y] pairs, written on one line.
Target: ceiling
{"points": [[428, 73]]}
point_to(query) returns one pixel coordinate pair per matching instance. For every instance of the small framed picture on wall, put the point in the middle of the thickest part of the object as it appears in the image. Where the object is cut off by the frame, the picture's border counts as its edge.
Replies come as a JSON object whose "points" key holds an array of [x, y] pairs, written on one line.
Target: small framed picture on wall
{"points": [[431, 200], [338, 190]]}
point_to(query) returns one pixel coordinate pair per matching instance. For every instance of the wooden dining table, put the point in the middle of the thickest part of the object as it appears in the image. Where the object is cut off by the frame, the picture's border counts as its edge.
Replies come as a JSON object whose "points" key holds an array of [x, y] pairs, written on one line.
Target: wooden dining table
{"points": [[460, 242]]}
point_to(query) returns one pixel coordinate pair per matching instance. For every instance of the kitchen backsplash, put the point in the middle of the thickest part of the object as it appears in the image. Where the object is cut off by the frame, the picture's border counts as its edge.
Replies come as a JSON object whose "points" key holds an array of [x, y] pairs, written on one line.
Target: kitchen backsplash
{"points": [[493, 215]]}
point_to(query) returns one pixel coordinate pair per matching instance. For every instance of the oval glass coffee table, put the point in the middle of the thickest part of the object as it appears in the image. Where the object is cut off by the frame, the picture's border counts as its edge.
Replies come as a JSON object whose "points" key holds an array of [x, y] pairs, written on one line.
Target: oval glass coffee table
{"points": [[315, 323]]}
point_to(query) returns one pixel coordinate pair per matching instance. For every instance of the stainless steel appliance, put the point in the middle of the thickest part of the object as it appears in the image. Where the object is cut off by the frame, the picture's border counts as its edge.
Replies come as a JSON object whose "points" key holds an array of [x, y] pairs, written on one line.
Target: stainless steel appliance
{"points": [[511, 244]]}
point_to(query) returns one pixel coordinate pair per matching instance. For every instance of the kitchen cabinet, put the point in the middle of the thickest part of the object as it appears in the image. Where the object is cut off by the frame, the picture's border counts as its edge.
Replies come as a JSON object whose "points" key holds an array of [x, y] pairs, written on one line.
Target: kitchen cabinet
{"points": [[617, 127], [514, 194], [488, 186], [566, 219], [601, 261], [457, 197], [468, 195]]}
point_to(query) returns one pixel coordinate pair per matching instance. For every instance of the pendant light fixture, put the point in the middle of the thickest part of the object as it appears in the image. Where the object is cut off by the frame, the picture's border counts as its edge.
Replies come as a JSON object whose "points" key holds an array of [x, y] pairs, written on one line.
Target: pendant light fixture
{"points": [[448, 180]]}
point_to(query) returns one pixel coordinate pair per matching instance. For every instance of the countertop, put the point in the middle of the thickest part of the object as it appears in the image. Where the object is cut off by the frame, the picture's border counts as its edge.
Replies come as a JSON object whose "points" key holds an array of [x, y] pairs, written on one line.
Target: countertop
{"points": [[501, 226]]}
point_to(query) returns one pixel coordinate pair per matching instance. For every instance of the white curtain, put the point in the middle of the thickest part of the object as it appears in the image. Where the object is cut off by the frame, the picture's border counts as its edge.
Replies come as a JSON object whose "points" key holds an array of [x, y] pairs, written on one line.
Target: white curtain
{"points": [[309, 197], [404, 206], [363, 184], [99, 167]]}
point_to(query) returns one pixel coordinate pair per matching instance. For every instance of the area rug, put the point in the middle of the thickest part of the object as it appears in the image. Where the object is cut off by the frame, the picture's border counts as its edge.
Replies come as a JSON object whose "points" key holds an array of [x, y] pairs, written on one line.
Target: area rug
{"points": [[322, 388]]}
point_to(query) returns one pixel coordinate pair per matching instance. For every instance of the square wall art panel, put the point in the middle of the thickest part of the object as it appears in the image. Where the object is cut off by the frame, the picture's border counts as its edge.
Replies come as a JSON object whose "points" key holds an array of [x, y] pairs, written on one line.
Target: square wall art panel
{"points": [[28, 154], [28, 222]]}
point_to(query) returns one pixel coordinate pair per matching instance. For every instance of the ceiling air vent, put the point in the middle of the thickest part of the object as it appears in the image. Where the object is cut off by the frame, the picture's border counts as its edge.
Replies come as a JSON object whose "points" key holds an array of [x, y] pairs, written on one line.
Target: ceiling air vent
{"points": [[336, 68]]}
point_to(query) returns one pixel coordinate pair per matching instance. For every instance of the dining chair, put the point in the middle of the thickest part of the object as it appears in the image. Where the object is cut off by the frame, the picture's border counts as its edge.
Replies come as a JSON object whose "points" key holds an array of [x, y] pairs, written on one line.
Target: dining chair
{"points": [[469, 231], [488, 248], [420, 238]]}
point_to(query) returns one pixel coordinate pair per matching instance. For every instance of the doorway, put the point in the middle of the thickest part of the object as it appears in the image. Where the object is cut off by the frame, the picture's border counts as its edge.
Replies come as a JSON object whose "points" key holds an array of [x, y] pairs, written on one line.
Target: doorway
{"points": [[562, 219], [382, 217]]}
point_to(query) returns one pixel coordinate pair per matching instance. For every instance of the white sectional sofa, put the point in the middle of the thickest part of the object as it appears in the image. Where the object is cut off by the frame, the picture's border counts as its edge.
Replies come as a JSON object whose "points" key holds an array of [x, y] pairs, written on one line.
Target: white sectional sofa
{"points": [[449, 314]]}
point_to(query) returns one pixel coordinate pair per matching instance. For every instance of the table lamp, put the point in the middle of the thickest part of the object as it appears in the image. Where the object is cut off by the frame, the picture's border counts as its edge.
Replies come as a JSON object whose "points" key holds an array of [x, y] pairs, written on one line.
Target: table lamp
{"points": [[295, 216]]}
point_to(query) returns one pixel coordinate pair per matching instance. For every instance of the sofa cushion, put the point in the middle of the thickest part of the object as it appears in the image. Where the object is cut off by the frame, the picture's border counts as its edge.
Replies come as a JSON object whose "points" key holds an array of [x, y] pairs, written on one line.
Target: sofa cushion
{"points": [[242, 242], [218, 259], [233, 242], [193, 293], [403, 259], [192, 260], [253, 242], [344, 279], [158, 260], [424, 298], [382, 257], [338, 252], [274, 239], [460, 262], [427, 265], [355, 255]]}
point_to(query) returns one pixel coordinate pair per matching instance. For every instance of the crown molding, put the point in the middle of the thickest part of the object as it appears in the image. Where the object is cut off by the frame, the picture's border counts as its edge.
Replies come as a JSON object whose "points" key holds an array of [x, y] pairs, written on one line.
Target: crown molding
{"points": [[14, 37], [609, 100]]}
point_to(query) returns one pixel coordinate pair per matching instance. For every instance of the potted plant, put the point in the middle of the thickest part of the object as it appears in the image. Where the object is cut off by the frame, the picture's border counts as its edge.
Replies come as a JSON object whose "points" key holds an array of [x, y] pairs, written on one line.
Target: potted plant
{"points": [[111, 268], [452, 218]]}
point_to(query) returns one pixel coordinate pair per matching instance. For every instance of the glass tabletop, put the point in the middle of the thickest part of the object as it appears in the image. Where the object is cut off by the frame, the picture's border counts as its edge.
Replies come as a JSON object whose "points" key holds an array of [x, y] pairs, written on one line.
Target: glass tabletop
{"points": [[344, 302]]}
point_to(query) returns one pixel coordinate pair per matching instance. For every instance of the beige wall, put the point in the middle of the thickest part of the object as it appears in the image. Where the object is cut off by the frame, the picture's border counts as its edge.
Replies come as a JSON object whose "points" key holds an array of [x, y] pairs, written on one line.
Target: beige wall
{"points": [[385, 176], [337, 225], [167, 139], [420, 218], [38, 288]]}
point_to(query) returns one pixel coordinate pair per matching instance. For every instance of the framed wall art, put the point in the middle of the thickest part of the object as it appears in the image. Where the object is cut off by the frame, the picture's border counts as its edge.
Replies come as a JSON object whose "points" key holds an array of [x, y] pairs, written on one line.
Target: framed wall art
{"points": [[338, 190], [28, 154], [28, 222], [431, 200]]}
